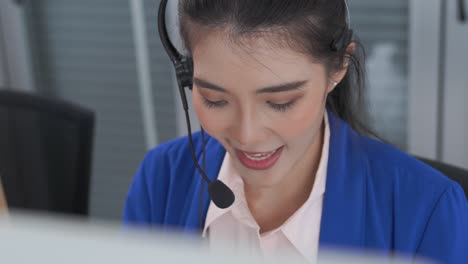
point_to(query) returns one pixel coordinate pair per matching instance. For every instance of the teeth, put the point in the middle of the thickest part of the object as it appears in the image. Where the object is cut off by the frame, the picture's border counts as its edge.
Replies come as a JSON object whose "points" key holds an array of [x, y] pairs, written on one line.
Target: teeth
{"points": [[260, 156]]}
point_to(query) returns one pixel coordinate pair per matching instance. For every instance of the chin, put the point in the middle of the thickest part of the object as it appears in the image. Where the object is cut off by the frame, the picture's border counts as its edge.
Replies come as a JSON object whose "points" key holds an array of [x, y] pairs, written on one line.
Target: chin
{"points": [[266, 178]]}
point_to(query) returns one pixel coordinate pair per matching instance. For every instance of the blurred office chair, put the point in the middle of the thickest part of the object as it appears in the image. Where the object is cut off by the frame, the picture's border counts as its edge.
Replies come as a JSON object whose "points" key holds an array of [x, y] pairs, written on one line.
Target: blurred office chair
{"points": [[3, 204], [457, 174], [45, 153]]}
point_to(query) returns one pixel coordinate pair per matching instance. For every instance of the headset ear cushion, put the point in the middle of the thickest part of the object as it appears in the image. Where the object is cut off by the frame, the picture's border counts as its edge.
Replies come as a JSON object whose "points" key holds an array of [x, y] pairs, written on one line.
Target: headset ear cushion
{"points": [[189, 66], [189, 61], [342, 40], [349, 37], [184, 72]]}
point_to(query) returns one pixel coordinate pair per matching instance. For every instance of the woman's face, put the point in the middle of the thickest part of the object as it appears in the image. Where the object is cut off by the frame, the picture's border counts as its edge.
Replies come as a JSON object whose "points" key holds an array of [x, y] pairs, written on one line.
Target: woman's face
{"points": [[265, 105]]}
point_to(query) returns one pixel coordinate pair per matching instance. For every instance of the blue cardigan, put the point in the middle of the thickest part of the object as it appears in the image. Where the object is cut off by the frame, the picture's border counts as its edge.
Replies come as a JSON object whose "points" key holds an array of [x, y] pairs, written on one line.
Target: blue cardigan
{"points": [[376, 197]]}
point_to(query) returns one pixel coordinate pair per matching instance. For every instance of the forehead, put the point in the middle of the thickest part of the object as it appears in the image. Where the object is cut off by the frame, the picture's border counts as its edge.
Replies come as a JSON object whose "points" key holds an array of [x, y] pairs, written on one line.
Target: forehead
{"points": [[253, 62]]}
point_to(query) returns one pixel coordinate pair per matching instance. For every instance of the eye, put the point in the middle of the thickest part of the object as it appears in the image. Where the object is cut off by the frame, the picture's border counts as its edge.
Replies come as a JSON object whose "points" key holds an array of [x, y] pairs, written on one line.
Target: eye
{"points": [[282, 107], [214, 104]]}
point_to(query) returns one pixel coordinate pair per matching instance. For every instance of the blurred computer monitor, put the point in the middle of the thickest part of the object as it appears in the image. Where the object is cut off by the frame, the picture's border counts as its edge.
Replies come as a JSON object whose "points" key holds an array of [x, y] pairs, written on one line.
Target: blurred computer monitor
{"points": [[27, 238]]}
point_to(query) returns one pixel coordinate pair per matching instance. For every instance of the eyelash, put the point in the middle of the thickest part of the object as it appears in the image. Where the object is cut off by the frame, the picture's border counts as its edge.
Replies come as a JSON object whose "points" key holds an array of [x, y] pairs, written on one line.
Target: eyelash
{"points": [[211, 104], [282, 107], [277, 107]]}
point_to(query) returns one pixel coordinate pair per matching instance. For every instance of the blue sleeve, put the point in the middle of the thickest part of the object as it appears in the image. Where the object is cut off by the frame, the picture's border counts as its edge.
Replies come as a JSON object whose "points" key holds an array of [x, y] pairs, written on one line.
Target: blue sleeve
{"points": [[446, 235], [137, 210]]}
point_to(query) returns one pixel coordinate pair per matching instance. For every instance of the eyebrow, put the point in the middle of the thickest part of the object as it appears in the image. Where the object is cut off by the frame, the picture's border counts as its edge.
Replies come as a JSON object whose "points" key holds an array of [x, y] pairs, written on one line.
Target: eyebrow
{"points": [[269, 89]]}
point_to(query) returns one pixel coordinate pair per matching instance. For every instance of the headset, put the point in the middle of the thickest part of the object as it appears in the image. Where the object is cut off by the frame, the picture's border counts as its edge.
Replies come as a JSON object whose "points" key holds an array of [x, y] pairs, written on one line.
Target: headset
{"points": [[221, 195]]}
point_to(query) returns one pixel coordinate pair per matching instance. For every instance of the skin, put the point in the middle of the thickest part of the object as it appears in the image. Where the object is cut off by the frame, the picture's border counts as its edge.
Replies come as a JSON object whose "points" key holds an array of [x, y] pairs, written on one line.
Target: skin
{"points": [[257, 98]]}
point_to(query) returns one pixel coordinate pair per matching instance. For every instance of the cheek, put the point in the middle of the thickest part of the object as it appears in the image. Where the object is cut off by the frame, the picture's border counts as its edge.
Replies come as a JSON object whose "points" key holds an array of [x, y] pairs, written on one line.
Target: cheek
{"points": [[198, 106], [211, 120], [302, 122]]}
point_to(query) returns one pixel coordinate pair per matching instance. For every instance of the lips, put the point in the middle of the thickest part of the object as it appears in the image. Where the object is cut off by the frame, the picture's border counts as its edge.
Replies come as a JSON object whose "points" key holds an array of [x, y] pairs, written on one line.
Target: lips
{"points": [[259, 160]]}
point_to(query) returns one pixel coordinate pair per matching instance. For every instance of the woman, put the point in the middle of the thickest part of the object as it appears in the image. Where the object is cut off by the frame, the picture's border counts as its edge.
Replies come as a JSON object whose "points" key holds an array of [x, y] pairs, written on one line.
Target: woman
{"points": [[277, 86]]}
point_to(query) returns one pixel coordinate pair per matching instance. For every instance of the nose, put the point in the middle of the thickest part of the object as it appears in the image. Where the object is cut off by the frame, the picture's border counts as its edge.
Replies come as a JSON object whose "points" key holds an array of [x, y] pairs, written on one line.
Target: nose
{"points": [[247, 130]]}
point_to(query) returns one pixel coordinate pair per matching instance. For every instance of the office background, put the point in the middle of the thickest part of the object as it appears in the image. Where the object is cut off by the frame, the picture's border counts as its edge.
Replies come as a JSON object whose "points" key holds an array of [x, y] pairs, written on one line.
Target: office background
{"points": [[106, 56]]}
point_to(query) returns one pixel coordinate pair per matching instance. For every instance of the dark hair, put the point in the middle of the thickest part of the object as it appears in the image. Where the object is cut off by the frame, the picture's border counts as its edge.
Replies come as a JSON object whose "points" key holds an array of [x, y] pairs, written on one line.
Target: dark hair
{"points": [[318, 28]]}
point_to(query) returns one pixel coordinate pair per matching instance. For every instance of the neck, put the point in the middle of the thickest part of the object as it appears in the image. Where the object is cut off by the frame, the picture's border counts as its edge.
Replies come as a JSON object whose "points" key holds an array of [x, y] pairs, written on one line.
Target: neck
{"points": [[272, 206]]}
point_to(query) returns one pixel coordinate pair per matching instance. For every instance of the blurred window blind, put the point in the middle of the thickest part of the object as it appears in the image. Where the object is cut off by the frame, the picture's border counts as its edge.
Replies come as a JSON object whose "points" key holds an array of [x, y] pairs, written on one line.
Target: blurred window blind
{"points": [[383, 28], [85, 53], [164, 89]]}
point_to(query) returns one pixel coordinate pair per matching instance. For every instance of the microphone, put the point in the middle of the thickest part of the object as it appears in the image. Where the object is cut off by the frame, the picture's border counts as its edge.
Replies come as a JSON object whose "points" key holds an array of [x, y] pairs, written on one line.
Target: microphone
{"points": [[221, 195]]}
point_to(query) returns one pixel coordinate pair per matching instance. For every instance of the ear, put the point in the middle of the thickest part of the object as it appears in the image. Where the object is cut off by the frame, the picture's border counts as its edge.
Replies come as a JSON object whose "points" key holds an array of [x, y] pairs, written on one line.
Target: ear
{"points": [[338, 76]]}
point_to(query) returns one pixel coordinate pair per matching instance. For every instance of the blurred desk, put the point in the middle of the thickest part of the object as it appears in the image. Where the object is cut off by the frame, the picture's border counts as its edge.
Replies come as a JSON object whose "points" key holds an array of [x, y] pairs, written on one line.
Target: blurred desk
{"points": [[28, 238]]}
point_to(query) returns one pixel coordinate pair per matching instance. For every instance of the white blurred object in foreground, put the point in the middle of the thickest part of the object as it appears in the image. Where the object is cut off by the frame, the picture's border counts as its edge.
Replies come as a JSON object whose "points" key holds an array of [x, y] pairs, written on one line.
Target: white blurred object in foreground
{"points": [[39, 239]]}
